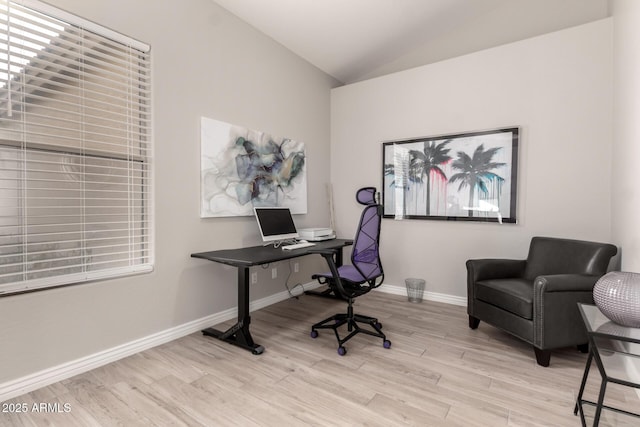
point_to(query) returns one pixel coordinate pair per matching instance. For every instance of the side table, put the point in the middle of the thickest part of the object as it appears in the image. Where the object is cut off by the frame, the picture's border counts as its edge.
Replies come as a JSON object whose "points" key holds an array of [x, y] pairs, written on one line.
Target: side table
{"points": [[615, 349]]}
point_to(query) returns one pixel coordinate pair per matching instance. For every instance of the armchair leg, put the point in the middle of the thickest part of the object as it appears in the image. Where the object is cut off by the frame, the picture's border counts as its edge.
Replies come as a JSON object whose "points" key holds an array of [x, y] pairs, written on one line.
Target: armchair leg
{"points": [[473, 322], [542, 356], [583, 348]]}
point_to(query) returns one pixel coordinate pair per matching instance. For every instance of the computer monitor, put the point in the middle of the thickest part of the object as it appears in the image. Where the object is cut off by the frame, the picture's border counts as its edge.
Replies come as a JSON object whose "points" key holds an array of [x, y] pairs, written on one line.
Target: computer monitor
{"points": [[275, 223]]}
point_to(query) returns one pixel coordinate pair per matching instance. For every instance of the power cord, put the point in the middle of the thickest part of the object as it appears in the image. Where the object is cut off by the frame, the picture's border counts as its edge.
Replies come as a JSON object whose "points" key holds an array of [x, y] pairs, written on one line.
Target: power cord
{"points": [[286, 281], [286, 284]]}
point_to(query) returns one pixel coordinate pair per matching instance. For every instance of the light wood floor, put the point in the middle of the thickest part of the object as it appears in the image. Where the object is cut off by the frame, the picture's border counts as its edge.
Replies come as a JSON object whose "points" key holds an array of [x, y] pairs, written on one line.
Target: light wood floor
{"points": [[438, 372]]}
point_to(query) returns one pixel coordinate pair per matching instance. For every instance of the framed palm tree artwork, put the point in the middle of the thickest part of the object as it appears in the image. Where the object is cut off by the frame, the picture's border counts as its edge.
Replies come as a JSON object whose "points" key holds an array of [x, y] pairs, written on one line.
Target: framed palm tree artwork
{"points": [[460, 177]]}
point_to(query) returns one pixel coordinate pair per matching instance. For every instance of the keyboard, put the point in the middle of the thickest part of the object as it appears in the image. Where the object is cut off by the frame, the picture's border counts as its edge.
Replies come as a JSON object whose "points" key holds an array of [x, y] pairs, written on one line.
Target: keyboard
{"points": [[297, 246]]}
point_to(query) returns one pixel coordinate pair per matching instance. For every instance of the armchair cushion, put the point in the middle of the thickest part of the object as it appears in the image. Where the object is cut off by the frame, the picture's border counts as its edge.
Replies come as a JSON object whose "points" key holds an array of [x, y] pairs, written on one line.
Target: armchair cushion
{"points": [[513, 295]]}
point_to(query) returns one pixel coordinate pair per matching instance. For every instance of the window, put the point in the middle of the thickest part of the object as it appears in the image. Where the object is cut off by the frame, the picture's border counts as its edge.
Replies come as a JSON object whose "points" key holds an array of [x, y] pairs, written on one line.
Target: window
{"points": [[75, 150]]}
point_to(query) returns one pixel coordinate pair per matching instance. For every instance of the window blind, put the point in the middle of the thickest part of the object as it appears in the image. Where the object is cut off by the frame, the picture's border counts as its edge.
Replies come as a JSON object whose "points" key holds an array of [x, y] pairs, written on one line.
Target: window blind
{"points": [[75, 150]]}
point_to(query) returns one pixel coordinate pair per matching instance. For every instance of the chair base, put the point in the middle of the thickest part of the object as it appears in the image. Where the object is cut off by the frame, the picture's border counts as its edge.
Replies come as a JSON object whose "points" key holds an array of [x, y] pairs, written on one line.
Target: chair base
{"points": [[353, 322]]}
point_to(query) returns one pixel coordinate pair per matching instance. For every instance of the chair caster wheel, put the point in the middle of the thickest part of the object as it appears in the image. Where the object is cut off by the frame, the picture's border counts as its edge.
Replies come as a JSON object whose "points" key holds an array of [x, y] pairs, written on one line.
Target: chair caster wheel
{"points": [[378, 325], [314, 334], [342, 351], [386, 344]]}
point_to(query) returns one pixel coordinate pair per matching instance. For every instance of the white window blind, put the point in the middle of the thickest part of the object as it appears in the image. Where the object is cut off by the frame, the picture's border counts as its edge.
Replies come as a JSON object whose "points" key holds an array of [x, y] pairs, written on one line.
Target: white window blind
{"points": [[75, 150]]}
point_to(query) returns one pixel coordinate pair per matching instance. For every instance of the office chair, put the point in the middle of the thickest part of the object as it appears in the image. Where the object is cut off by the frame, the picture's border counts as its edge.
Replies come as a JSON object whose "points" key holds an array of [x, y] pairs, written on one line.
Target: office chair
{"points": [[352, 281]]}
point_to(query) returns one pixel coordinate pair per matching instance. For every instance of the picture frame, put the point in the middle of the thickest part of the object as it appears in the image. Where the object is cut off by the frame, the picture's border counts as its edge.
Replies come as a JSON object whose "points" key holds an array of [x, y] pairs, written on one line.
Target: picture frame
{"points": [[242, 168], [469, 176]]}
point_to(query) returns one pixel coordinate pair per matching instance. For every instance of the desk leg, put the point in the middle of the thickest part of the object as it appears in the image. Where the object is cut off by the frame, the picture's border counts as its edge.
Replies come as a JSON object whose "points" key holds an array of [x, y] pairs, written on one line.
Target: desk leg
{"points": [[239, 333]]}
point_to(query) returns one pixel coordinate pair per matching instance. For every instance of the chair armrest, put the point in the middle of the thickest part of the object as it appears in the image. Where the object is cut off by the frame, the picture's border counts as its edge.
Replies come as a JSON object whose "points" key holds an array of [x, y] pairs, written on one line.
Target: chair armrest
{"points": [[494, 268], [328, 255], [565, 283]]}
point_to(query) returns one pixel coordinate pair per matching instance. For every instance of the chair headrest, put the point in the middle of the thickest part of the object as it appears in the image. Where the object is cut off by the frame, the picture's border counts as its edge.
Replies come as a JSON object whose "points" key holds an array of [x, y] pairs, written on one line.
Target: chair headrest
{"points": [[366, 196]]}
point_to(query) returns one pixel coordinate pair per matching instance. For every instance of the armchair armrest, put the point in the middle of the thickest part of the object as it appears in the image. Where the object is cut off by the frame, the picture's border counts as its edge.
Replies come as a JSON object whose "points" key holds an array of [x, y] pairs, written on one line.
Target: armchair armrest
{"points": [[494, 268], [565, 283], [556, 320]]}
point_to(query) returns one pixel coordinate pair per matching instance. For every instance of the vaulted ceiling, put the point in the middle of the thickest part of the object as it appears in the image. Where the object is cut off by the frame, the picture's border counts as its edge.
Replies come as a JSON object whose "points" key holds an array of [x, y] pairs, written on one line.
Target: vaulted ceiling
{"points": [[357, 39]]}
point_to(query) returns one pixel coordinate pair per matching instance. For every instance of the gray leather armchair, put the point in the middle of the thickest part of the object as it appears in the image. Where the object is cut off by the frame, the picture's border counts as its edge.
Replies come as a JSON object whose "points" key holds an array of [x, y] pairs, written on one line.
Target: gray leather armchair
{"points": [[535, 299]]}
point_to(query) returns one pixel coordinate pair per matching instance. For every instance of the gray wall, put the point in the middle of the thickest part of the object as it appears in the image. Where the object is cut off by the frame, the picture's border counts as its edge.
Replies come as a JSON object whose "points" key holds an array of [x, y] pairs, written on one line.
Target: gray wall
{"points": [[205, 63], [556, 87], [626, 148]]}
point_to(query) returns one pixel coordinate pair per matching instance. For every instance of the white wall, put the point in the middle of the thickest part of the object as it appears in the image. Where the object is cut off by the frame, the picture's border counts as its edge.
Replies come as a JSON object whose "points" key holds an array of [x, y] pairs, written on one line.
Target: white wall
{"points": [[626, 143], [556, 87], [626, 148], [205, 63]]}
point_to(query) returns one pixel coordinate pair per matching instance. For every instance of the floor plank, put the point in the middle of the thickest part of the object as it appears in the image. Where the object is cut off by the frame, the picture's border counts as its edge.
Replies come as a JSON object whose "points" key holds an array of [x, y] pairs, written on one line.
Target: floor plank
{"points": [[438, 372]]}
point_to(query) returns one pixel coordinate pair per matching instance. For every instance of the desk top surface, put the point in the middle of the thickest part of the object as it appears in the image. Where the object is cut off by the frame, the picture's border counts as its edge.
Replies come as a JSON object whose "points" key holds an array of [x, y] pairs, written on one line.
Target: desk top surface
{"points": [[256, 255]]}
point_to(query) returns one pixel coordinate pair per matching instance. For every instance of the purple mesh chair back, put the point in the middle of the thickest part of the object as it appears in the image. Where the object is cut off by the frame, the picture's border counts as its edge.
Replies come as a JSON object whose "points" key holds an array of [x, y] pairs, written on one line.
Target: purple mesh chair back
{"points": [[365, 256]]}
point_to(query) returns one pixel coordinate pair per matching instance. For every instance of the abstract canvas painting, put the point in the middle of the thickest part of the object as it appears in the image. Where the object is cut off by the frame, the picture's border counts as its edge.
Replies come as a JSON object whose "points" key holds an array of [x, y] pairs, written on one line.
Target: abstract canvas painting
{"points": [[243, 168], [462, 177]]}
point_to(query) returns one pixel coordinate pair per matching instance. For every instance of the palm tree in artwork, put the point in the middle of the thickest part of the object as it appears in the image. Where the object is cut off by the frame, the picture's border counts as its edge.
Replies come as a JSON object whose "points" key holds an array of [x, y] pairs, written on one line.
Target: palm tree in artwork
{"points": [[476, 171], [399, 177], [426, 163]]}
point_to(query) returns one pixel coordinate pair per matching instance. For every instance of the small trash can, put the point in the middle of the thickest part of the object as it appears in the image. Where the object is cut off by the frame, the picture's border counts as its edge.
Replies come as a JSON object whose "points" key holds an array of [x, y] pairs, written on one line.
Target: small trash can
{"points": [[415, 289]]}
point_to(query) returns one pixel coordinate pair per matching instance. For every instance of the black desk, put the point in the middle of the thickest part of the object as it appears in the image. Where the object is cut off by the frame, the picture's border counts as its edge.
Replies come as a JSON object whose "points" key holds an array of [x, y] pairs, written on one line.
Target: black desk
{"points": [[243, 259]]}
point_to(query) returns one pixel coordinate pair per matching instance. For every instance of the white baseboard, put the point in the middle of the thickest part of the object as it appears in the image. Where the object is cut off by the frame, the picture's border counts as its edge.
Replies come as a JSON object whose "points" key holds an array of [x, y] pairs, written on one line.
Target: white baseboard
{"points": [[431, 296], [31, 382], [11, 389]]}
